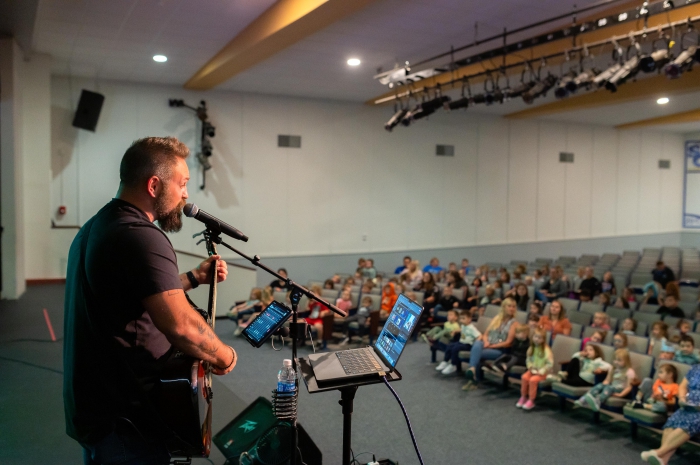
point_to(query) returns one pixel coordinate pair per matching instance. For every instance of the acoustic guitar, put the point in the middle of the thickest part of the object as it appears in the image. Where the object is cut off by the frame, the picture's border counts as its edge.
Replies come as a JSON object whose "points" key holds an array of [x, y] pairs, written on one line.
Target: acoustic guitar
{"points": [[183, 394]]}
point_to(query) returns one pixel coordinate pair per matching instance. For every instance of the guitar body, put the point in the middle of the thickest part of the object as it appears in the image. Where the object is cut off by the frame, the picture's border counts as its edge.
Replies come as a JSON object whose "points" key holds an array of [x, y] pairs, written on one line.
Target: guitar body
{"points": [[183, 394], [183, 398]]}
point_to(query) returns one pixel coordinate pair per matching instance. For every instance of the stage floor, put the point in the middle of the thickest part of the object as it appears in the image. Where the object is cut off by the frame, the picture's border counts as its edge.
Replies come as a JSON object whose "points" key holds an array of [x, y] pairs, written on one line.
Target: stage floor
{"points": [[452, 427]]}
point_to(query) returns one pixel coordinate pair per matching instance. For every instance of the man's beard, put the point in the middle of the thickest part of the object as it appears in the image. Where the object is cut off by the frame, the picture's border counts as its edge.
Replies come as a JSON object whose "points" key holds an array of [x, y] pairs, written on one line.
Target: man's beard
{"points": [[169, 221]]}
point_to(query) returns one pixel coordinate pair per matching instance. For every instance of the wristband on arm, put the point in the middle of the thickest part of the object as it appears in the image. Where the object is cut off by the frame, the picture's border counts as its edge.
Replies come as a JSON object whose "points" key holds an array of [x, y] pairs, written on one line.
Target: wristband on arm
{"points": [[193, 281]]}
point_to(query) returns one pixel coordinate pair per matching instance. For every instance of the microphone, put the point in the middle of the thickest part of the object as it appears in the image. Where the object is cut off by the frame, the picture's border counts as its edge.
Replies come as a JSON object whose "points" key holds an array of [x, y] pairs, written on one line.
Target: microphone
{"points": [[191, 210]]}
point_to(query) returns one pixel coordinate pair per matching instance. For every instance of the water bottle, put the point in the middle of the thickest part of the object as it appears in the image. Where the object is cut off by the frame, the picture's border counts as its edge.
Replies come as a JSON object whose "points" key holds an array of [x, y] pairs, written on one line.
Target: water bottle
{"points": [[286, 378]]}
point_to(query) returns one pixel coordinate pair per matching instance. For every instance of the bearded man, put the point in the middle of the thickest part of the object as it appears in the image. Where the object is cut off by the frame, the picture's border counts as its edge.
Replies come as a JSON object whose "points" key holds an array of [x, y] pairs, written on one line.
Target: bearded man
{"points": [[126, 309]]}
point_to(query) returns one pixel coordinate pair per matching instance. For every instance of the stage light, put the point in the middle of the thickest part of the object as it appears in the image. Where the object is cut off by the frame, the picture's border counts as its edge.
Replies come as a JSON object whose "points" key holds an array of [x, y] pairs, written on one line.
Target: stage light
{"points": [[602, 78], [209, 130], [160, 58], [478, 98], [540, 88], [584, 79], [204, 161], [644, 10], [656, 60], [457, 104], [206, 148], [674, 69], [354, 62], [562, 89], [662, 101], [396, 119], [668, 5], [622, 17], [435, 103], [628, 70]]}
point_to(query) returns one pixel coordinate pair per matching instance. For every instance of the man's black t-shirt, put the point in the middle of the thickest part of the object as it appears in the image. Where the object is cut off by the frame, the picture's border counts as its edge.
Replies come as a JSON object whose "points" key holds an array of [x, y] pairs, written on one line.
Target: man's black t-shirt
{"points": [[110, 340]]}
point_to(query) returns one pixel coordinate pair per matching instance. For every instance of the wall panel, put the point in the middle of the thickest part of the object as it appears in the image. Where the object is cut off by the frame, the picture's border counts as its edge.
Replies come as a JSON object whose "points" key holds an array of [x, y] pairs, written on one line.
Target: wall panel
{"points": [[579, 177], [551, 184], [522, 181], [604, 182], [354, 188], [492, 183]]}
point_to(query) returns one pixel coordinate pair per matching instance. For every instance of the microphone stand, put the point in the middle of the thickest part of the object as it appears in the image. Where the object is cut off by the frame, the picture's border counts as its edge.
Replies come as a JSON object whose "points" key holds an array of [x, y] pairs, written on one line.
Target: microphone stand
{"points": [[297, 330]]}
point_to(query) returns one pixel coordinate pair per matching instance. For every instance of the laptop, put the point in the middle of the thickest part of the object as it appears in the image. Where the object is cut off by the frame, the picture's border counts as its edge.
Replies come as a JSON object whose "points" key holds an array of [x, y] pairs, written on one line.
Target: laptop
{"points": [[381, 357]]}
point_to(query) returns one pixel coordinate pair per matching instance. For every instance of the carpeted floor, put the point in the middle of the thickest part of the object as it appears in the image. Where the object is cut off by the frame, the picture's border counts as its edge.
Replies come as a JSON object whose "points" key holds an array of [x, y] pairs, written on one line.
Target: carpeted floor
{"points": [[451, 426]]}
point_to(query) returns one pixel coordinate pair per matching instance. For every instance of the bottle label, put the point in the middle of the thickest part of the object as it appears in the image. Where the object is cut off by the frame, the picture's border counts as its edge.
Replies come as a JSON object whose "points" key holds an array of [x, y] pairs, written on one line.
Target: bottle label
{"points": [[286, 387]]}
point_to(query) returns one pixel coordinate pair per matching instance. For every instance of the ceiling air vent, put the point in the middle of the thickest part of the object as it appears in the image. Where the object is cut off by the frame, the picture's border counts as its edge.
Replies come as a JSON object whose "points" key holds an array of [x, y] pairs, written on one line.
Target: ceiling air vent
{"points": [[293, 142], [445, 150], [664, 164], [566, 157]]}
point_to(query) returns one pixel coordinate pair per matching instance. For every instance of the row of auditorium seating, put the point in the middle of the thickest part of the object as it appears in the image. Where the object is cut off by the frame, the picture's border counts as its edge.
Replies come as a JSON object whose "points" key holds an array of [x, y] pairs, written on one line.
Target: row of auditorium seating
{"points": [[563, 349]]}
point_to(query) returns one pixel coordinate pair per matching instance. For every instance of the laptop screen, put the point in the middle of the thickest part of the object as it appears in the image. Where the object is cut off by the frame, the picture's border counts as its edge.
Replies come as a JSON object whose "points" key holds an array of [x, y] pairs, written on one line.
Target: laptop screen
{"points": [[398, 328]]}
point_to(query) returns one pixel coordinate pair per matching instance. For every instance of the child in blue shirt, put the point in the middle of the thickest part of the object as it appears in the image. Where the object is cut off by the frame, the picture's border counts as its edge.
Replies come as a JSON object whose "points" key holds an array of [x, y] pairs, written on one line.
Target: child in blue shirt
{"points": [[686, 353]]}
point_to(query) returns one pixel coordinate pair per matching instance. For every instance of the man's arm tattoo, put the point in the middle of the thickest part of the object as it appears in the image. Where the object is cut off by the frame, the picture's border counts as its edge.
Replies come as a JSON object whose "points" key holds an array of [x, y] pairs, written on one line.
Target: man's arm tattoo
{"points": [[208, 348]]}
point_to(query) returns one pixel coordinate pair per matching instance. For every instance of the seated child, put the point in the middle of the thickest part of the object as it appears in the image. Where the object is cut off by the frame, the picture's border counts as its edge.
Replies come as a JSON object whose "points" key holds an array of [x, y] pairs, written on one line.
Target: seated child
{"points": [[489, 298], [662, 395], [601, 321], [447, 301], [584, 366], [438, 336], [618, 383], [539, 363], [344, 302], [362, 319], [468, 334], [597, 337], [389, 298], [604, 299], [536, 308], [683, 328], [518, 351], [629, 326], [533, 321], [316, 311], [237, 312], [620, 341], [658, 335], [329, 284], [686, 352]]}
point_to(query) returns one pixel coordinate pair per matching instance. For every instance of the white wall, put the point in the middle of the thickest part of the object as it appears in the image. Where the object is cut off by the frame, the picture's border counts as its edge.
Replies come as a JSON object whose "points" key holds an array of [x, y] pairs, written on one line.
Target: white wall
{"points": [[351, 178], [11, 132]]}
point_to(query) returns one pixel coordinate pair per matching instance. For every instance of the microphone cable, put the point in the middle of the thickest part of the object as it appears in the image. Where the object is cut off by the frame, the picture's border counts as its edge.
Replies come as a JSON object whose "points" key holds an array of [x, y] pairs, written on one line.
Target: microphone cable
{"points": [[408, 422]]}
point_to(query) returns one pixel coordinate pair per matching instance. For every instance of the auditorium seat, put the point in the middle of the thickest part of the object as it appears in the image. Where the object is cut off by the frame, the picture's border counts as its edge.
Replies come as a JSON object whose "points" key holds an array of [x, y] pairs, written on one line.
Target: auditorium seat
{"points": [[647, 418]]}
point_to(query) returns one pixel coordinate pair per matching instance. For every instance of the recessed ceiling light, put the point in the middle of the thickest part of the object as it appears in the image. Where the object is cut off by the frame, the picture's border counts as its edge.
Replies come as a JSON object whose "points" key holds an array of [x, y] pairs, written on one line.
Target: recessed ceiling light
{"points": [[160, 58], [662, 101], [354, 62]]}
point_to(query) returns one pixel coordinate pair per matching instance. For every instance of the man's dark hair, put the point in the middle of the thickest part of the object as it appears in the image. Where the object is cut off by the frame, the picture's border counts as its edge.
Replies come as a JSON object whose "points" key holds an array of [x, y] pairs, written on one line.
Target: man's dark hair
{"points": [[659, 263], [150, 156], [407, 256]]}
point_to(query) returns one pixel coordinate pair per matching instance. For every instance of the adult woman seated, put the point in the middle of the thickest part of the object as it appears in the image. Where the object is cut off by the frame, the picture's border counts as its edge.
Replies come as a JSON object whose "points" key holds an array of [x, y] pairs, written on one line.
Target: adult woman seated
{"points": [[497, 338], [682, 425], [556, 322]]}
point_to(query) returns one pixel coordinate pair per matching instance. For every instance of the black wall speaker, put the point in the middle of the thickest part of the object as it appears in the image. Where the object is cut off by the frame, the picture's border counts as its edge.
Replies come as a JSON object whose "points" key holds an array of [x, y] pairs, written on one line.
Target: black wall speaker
{"points": [[88, 111]]}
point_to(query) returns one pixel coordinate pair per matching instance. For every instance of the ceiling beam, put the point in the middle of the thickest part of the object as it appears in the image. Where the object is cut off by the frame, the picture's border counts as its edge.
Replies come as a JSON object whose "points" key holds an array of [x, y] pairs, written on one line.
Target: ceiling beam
{"points": [[283, 24], [550, 48], [691, 116], [658, 85]]}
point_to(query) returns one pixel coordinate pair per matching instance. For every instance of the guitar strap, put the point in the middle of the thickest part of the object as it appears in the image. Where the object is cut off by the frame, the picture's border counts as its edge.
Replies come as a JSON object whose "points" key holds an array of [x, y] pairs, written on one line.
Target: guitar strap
{"points": [[133, 386]]}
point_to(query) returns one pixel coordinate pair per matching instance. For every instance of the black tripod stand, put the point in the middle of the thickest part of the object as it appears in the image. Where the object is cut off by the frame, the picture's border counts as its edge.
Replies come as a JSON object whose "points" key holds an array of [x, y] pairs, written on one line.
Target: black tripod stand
{"points": [[297, 329]]}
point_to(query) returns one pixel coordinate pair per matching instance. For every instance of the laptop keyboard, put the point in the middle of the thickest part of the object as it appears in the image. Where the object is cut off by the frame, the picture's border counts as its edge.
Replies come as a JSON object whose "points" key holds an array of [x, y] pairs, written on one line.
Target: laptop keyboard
{"points": [[358, 361]]}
